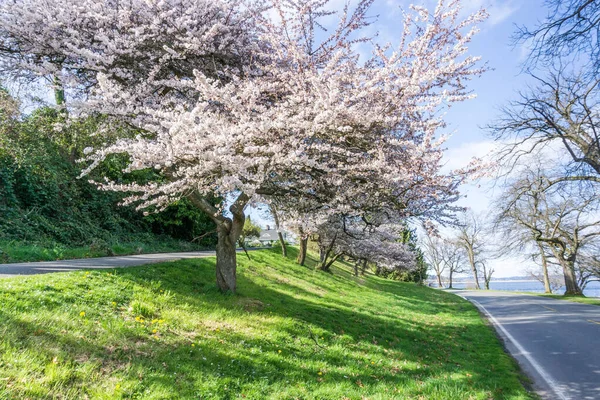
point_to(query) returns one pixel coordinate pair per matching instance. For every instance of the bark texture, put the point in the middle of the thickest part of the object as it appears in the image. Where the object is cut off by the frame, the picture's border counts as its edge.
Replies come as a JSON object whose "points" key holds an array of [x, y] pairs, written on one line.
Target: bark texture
{"points": [[363, 269], [471, 256], [228, 233], [567, 262], [302, 251], [439, 279], [279, 234], [571, 285], [282, 243], [546, 277], [226, 260], [325, 251]]}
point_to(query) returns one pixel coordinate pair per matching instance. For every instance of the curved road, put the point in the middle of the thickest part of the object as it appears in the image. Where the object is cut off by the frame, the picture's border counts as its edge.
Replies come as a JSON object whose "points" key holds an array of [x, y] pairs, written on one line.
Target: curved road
{"points": [[556, 342], [44, 267]]}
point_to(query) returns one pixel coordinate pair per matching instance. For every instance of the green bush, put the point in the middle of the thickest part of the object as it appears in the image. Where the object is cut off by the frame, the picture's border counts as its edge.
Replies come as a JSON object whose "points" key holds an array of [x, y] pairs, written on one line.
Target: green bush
{"points": [[43, 202]]}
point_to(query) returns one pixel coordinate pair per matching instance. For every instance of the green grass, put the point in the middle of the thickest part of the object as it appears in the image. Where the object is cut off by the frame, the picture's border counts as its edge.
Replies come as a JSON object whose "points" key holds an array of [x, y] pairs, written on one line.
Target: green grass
{"points": [[165, 332], [15, 251], [576, 299]]}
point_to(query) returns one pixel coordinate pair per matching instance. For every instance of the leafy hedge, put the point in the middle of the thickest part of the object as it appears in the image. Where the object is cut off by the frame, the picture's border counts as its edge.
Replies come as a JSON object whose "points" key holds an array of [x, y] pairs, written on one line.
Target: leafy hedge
{"points": [[43, 201]]}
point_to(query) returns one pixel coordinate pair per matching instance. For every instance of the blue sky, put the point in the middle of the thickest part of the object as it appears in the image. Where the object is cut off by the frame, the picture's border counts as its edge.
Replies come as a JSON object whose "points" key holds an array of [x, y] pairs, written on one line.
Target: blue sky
{"points": [[466, 121], [494, 89]]}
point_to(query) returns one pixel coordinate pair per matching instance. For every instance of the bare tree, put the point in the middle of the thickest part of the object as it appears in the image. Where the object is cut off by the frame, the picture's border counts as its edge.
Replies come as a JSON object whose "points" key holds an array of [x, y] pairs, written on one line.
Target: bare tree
{"points": [[588, 265], [571, 28], [453, 256], [433, 250], [517, 237], [544, 261], [471, 237], [488, 271], [555, 279], [559, 217], [563, 110]]}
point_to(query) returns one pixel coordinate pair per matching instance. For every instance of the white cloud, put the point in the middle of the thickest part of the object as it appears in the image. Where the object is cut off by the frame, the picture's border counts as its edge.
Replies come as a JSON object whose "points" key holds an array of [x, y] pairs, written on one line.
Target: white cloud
{"points": [[459, 157]]}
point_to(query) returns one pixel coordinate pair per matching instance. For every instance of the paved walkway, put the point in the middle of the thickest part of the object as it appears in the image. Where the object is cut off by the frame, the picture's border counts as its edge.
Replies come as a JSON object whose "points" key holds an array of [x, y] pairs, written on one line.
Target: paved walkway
{"points": [[555, 341], [44, 267]]}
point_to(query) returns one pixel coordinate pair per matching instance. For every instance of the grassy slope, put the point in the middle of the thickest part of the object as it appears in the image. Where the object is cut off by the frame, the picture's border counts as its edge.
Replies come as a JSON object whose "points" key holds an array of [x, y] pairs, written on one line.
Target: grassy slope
{"points": [[164, 332]]}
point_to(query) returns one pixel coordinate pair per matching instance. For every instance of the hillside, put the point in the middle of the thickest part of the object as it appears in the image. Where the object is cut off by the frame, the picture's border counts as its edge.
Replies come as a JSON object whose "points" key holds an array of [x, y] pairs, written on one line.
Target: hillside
{"points": [[164, 332]]}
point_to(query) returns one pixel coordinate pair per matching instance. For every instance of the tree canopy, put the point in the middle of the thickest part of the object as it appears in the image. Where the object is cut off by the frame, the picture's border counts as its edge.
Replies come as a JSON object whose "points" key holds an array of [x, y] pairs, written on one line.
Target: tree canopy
{"points": [[252, 101]]}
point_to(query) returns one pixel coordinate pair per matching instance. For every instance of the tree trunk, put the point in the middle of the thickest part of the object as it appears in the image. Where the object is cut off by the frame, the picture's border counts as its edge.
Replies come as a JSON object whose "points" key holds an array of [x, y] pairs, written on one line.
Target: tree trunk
{"points": [[363, 268], [327, 267], [282, 242], [568, 267], [572, 288], [228, 233], [279, 234], [226, 260], [302, 252], [474, 268], [356, 264], [487, 275], [439, 278], [547, 287], [324, 253], [450, 279]]}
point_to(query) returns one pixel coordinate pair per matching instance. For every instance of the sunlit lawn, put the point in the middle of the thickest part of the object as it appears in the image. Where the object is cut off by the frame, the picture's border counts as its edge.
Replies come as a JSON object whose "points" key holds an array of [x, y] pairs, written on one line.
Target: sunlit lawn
{"points": [[576, 299], [165, 332], [15, 251]]}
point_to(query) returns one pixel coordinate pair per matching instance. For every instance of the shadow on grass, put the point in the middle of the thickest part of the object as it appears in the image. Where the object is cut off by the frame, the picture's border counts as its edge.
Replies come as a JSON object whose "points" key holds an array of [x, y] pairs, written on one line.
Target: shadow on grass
{"points": [[322, 343]]}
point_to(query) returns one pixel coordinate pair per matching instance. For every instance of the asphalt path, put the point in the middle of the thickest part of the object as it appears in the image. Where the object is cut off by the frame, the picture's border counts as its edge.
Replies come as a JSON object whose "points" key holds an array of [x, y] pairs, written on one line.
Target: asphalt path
{"points": [[556, 342], [44, 267]]}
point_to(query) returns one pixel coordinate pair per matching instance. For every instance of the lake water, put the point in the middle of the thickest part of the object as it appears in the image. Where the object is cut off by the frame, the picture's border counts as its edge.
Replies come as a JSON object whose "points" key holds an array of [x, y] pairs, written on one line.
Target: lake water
{"points": [[591, 290]]}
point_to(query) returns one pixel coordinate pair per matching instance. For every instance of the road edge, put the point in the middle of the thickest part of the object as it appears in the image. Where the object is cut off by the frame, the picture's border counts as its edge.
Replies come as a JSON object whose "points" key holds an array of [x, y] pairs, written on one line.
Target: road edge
{"points": [[547, 387]]}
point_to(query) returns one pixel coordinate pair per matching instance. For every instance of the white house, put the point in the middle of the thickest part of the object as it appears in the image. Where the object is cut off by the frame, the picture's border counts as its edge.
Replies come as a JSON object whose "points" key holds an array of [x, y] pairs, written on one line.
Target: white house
{"points": [[269, 236]]}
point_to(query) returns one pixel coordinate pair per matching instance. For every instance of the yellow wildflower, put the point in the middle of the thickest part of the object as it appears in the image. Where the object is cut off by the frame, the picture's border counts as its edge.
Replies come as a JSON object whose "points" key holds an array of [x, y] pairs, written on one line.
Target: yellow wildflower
{"points": [[82, 314]]}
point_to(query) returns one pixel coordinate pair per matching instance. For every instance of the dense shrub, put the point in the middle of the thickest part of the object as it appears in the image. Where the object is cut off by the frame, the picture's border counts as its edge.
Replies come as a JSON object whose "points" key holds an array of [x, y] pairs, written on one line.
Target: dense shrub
{"points": [[43, 201]]}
